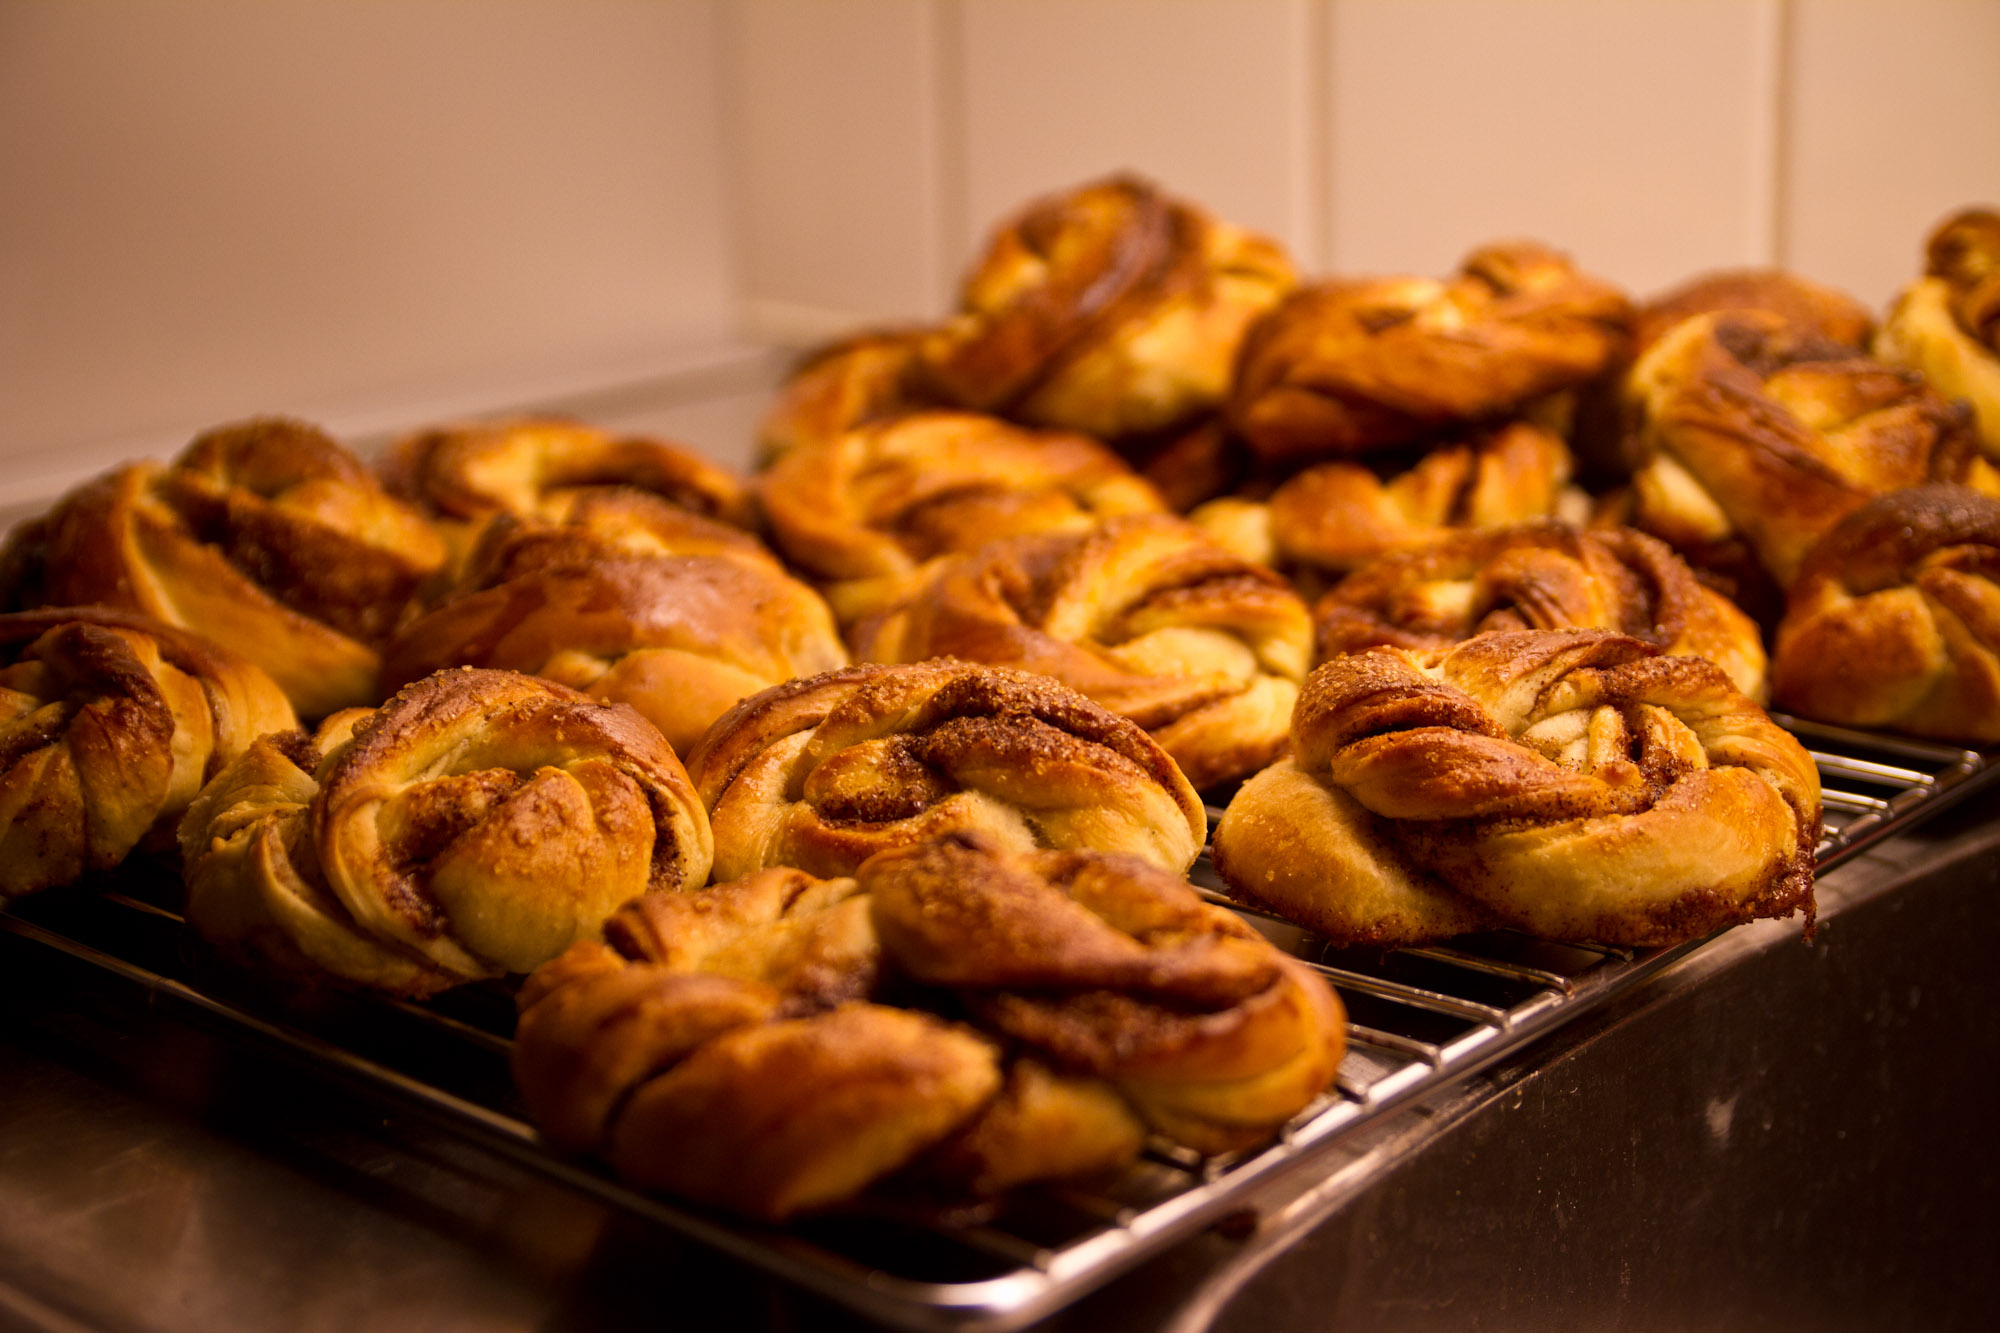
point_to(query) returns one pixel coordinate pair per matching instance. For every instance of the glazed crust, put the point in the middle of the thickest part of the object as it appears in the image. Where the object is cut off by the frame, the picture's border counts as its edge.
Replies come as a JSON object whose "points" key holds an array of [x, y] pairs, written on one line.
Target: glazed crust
{"points": [[869, 514], [1144, 615], [824, 772], [1343, 368], [811, 940], [868, 377], [723, 1045], [1895, 619], [1113, 309], [267, 538], [476, 824], [112, 722], [1812, 309], [1334, 517], [1947, 324], [680, 638], [1109, 966], [533, 468], [680, 1052], [1752, 440], [1571, 784], [1540, 576], [631, 600]]}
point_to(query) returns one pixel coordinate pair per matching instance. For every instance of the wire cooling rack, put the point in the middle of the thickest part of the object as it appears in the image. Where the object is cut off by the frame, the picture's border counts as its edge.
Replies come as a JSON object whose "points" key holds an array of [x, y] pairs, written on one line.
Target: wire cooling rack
{"points": [[1419, 1019]]}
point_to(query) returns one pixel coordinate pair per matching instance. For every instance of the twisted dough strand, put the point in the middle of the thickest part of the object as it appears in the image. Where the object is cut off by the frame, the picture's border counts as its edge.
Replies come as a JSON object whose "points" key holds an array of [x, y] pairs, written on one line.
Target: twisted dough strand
{"points": [[109, 725], [1540, 576], [824, 772], [1349, 367], [1109, 966], [1895, 618], [476, 824], [1144, 615], [1113, 310], [1574, 785], [266, 537], [1947, 324]]}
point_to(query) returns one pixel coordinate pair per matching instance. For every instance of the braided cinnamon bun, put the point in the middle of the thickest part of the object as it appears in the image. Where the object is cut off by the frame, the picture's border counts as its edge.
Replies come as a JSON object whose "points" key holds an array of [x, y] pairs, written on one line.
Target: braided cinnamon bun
{"points": [[868, 514], [1540, 576], [1334, 517], [1752, 439], [1113, 309], [1109, 966], [534, 468], [822, 773], [266, 537], [475, 824], [721, 1045], [1894, 620], [1351, 367], [621, 601], [1947, 324], [1571, 784], [1144, 615], [695, 1084], [112, 722]]}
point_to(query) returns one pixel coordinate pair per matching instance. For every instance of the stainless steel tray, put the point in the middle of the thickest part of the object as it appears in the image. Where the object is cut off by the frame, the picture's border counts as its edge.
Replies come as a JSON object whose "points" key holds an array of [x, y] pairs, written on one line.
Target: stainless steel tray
{"points": [[1420, 1019]]}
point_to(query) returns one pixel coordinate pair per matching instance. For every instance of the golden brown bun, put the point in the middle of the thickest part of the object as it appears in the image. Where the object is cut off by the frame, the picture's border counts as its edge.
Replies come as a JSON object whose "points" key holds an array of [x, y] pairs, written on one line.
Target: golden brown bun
{"points": [[1751, 440], [663, 1049], [601, 603], [674, 970], [1571, 784], [1144, 615], [533, 468], [867, 513], [1947, 324], [1540, 576], [593, 522], [266, 537], [594, 1026], [1113, 309], [475, 824], [800, 1113], [1041, 1125], [822, 773], [691, 1083], [1109, 966], [1200, 463], [1352, 367], [1812, 309], [811, 940], [1895, 619], [869, 376], [112, 723], [1334, 517]]}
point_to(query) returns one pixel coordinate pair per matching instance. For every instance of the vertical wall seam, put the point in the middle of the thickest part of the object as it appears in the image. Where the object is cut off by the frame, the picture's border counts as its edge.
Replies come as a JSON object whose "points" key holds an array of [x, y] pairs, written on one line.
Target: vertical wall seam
{"points": [[1782, 36], [1323, 175], [733, 176], [1308, 163], [951, 202]]}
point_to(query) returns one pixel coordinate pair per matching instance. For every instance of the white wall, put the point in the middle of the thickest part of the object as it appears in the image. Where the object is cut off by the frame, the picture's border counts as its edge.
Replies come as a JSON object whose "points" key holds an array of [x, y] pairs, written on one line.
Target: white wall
{"points": [[210, 208], [1650, 138], [369, 211]]}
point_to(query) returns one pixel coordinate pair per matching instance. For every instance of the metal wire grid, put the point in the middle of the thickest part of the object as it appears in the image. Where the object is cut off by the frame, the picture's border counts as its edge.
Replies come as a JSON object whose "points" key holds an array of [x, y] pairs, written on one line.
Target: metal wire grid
{"points": [[1419, 1020]]}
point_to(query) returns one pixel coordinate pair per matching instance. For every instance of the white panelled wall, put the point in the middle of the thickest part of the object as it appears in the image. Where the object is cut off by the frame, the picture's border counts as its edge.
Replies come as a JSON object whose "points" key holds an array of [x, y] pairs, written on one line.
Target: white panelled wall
{"points": [[348, 210], [365, 211], [1649, 138]]}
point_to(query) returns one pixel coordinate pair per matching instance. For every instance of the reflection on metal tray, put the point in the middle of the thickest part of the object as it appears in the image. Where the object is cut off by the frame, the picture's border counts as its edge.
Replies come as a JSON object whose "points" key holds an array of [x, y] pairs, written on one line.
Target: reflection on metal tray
{"points": [[1419, 1019]]}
